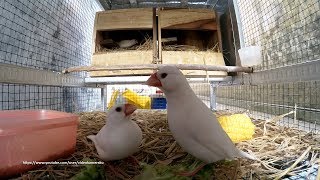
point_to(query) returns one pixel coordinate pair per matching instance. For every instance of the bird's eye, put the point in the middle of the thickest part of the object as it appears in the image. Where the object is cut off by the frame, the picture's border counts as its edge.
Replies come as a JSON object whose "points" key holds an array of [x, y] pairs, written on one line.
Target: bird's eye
{"points": [[118, 109], [164, 75]]}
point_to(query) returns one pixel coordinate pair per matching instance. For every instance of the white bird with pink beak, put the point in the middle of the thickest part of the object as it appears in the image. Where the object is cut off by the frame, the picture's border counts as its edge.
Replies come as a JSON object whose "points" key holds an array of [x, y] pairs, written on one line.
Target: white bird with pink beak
{"points": [[120, 137], [191, 122]]}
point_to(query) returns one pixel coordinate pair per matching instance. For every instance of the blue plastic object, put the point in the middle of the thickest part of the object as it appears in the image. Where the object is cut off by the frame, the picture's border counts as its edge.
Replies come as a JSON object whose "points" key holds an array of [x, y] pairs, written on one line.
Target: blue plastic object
{"points": [[158, 103]]}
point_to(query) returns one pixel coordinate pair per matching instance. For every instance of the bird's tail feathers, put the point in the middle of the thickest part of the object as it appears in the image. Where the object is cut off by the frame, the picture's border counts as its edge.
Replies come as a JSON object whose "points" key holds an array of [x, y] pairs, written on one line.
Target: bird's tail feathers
{"points": [[247, 155], [92, 138]]}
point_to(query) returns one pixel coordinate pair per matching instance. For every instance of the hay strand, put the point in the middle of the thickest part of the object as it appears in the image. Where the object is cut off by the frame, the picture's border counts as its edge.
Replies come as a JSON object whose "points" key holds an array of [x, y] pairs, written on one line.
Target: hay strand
{"points": [[147, 44], [280, 175], [318, 174], [275, 119]]}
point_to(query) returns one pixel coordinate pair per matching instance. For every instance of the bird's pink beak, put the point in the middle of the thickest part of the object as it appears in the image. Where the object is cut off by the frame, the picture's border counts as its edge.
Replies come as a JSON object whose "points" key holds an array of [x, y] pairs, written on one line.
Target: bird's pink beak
{"points": [[129, 109], [154, 81]]}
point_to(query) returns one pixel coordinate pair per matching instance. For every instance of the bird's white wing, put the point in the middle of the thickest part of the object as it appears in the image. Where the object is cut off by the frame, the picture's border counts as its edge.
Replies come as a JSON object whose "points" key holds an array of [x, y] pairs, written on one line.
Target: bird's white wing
{"points": [[206, 130]]}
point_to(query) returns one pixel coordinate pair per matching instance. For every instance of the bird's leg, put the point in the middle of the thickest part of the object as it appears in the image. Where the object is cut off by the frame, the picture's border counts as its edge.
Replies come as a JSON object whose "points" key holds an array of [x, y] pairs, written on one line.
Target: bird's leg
{"points": [[194, 172]]}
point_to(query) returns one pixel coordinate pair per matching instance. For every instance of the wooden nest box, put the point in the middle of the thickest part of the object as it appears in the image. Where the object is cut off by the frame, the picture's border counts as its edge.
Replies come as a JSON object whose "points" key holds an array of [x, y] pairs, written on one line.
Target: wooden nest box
{"points": [[156, 36]]}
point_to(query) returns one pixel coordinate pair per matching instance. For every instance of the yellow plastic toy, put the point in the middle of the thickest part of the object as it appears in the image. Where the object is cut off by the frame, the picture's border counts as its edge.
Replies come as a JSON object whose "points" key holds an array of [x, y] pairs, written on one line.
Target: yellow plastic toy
{"points": [[113, 99], [142, 102], [238, 127]]}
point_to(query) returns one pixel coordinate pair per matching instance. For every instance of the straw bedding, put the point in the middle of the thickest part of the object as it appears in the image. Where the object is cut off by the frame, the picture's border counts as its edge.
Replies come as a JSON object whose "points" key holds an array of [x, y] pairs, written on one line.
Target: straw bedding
{"points": [[277, 148], [147, 44]]}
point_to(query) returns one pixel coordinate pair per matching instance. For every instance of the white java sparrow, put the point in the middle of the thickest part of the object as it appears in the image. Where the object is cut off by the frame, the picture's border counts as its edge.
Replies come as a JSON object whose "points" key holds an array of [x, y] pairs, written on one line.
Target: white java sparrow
{"points": [[120, 137], [127, 43], [192, 123]]}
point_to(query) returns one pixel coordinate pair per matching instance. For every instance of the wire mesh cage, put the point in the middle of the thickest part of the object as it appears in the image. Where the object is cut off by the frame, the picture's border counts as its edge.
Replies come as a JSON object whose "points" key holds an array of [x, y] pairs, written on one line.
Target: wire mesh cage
{"points": [[68, 99], [44, 35], [287, 31], [282, 96], [268, 100]]}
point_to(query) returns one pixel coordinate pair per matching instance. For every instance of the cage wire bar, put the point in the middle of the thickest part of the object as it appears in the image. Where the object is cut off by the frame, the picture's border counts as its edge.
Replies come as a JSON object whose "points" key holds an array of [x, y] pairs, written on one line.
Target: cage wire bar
{"points": [[289, 36], [70, 99], [218, 5], [45, 35], [55, 35], [39, 39]]}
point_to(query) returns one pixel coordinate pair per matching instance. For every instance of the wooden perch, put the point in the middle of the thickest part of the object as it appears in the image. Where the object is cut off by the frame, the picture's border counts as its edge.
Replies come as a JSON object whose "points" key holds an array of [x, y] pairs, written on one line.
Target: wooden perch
{"points": [[157, 66]]}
